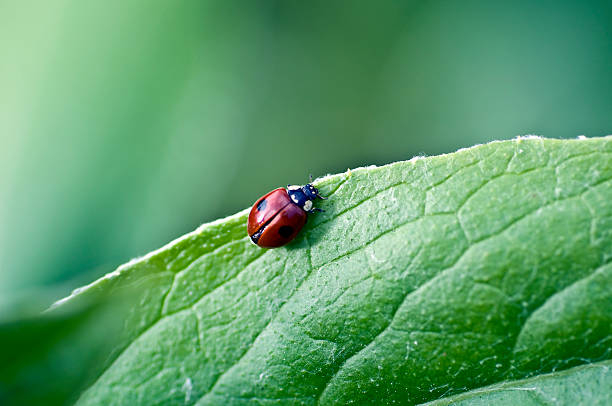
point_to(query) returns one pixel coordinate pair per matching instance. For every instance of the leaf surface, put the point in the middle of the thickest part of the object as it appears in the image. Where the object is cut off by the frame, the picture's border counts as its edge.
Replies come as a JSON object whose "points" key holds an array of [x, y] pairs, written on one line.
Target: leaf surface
{"points": [[584, 385], [423, 279]]}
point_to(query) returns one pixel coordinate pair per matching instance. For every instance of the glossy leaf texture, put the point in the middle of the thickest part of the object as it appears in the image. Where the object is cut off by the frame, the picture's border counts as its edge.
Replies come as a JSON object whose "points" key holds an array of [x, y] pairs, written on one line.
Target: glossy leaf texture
{"points": [[423, 279]]}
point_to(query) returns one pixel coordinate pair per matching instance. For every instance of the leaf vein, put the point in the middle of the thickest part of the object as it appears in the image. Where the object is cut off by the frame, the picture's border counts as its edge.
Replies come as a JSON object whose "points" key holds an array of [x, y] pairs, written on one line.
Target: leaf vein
{"points": [[553, 295]]}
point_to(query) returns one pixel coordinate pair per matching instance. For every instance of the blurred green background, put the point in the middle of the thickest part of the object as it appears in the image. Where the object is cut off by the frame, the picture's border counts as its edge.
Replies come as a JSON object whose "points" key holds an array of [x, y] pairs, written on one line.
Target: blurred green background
{"points": [[125, 124]]}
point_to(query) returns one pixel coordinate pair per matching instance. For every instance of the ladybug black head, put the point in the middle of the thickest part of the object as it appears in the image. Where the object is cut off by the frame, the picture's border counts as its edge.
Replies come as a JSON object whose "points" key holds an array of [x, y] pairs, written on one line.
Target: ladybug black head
{"points": [[303, 196], [310, 191]]}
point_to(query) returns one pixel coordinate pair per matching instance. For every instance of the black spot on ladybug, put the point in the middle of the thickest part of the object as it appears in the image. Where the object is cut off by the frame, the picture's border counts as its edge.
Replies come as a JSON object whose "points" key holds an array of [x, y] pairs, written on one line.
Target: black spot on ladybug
{"points": [[285, 231], [262, 205]]}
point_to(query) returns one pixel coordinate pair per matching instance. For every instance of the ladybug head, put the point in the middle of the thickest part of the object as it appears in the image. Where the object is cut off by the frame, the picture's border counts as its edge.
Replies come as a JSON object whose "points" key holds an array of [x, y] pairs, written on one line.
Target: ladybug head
{"points": [[310, 191], [304, 196]]}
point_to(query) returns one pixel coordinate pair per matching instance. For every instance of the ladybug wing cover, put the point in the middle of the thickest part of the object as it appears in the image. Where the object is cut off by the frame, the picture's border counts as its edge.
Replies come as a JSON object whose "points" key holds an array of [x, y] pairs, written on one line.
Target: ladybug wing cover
{"points": [[283, 228], [266, 208]]}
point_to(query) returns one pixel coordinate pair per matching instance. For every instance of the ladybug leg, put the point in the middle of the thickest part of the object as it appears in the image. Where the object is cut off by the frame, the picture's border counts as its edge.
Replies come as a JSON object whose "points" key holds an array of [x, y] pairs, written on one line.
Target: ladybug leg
{"points": [[321, 197], [316, 209]]}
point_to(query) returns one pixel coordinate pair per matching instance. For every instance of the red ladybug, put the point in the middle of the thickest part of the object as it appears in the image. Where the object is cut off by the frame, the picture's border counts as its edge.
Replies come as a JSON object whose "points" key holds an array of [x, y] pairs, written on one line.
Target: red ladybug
{"points": [[278, 217]]}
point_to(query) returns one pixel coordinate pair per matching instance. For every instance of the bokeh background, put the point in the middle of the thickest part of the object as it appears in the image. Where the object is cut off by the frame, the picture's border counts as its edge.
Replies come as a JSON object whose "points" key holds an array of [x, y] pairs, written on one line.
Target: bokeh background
{"points": [[125, 124]]}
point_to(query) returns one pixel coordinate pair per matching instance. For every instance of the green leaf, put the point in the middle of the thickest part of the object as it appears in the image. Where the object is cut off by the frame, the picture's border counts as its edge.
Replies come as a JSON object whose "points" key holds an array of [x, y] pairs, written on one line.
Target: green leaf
{"points": [[584, 385], [422, 279]]}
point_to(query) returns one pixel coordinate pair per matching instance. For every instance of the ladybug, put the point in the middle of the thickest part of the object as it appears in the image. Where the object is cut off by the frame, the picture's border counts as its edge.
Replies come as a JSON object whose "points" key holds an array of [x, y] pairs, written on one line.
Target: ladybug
{"points": [[277, 217]]}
